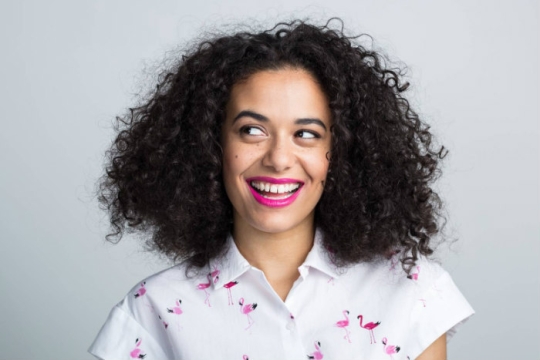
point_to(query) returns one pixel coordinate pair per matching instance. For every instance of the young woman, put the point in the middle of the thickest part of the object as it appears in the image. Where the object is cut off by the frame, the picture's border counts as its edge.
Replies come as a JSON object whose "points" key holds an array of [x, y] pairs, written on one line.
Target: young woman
{"points": [[290, 175]]}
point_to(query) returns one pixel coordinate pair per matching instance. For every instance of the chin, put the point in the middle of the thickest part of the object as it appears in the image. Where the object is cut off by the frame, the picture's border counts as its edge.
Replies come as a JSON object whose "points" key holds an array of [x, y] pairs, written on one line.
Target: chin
{"points": [[275, 224]]}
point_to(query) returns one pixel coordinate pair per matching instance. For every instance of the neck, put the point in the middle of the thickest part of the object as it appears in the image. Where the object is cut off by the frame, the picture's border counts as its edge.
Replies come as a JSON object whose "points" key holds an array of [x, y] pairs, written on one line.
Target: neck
{"points": [[277, 254]]}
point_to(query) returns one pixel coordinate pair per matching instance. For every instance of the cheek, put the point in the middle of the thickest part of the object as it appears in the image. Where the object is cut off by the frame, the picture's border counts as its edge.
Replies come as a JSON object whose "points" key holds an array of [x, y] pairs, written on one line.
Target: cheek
{"points": [[236, 161], [317, 168]]}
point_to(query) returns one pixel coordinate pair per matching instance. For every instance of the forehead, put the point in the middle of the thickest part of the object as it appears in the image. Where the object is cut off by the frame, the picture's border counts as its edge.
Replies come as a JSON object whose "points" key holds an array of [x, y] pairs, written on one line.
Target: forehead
{"points": [[280, 93]]}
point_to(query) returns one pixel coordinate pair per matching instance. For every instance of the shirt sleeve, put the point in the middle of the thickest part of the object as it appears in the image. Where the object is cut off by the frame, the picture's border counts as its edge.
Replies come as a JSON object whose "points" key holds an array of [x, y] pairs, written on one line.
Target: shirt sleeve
{"points": [[122, 337], [442, 309]]}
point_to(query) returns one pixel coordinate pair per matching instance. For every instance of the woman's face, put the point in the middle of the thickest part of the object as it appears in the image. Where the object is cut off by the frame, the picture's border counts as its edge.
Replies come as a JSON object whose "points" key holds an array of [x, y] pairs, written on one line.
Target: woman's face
{"points": [[275, 140]]}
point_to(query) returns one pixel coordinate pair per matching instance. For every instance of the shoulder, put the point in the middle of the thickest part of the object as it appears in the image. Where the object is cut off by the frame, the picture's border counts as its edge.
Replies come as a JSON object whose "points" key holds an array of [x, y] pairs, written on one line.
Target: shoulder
{"points": [[137, 324], [413, 309], [388, 273], [383, 287], [170, 277], [160, 291]]}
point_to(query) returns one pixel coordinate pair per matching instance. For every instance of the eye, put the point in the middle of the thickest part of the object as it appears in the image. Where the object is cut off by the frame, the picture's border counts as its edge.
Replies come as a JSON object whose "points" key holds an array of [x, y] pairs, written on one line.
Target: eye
{"points": [[251, 130], [304, 134]]}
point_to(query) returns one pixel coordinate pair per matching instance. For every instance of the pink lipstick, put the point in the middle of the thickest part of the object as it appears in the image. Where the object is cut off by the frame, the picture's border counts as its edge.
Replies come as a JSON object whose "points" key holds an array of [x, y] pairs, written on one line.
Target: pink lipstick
{"points": [[274, 192]]}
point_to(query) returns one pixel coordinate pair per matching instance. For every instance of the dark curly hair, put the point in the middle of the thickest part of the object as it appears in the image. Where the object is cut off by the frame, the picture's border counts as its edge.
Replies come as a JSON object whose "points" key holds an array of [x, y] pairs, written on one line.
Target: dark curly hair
{"points": [[164, 172]]}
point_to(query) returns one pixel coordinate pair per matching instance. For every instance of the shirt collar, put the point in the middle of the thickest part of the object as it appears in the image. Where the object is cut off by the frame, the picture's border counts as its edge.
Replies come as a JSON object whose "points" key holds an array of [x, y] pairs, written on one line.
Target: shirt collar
{"points": [[319, 258], [232, 264]]}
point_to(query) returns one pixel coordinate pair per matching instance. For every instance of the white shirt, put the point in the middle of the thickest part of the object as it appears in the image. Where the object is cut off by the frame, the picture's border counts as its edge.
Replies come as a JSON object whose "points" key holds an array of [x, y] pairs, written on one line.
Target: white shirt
{"points": [[367, 311]]}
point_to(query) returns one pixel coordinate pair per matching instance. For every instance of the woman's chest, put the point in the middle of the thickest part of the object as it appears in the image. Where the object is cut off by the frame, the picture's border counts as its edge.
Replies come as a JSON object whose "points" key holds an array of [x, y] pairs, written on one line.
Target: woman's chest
{"points": [[328, 319]]}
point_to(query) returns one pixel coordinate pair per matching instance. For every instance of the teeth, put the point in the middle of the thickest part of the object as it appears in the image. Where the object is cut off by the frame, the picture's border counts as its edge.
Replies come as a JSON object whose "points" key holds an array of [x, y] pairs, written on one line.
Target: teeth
{"points": [[274, 188]]}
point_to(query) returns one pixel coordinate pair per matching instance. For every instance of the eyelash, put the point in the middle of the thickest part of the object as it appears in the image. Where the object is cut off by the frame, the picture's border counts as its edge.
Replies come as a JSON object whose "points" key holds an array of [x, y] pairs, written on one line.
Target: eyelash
{"points": [[244, 129], [315, 135]]}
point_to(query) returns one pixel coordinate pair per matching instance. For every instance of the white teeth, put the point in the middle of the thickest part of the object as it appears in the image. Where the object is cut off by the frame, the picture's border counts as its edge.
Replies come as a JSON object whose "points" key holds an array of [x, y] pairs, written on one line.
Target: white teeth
{"points": [[274, 188]]}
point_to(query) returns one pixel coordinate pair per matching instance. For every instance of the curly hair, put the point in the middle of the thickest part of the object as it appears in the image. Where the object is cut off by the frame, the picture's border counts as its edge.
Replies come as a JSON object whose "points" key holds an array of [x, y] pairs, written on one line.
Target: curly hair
{"points": [[163, 174]]}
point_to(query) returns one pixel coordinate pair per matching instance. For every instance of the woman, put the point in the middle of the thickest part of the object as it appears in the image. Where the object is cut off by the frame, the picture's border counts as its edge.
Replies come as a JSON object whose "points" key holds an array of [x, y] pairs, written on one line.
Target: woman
{"points": [[290, 175]]}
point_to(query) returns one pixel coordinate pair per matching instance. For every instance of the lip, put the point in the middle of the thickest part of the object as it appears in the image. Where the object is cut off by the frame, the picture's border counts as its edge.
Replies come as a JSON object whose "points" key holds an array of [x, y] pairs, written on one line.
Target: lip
{"points": [[274, 180], [274, 203]]}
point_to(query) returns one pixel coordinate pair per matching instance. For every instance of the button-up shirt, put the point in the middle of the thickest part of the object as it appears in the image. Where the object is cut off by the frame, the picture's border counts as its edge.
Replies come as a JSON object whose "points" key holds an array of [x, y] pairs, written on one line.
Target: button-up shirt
{"points": [[230, 311]]}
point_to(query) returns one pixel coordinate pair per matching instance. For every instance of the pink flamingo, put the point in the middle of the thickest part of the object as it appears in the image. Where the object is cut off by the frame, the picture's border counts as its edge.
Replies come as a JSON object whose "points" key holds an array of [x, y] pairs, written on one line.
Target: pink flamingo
{"points": [[176, 310], [344, 324], [393, 263], [423, 301], [204, 286], [246, 309], [245, 357], [317, 354], [415, 275], [393, 258], [141, 291], [214, 275], [390, 349], [369, 326], [228, 286], [165, 324], [136, 353]]}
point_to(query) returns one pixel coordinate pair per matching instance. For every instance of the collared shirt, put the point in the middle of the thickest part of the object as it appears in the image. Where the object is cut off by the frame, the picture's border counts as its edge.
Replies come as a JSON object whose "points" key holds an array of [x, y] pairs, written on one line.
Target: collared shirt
{"points": [[367, 311]]}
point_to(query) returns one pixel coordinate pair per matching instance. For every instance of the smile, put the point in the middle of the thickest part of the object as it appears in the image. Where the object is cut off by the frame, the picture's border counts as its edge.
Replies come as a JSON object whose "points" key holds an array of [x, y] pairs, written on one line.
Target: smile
{"points": [[274, 192]]}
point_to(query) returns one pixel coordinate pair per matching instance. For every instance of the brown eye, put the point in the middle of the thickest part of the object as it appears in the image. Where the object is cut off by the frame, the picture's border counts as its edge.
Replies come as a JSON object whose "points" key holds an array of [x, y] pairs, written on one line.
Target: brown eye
{"points": [[251, 130], [304, 134]]}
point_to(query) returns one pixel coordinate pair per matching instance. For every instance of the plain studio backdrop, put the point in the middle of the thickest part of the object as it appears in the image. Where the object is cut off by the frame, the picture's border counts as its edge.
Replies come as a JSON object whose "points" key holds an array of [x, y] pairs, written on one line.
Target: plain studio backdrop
{"points": [[69, 67]]}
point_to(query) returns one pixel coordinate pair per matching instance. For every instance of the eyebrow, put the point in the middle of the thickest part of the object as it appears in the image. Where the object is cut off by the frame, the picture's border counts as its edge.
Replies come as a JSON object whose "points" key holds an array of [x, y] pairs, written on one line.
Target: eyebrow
{"points": [[262, 118]]}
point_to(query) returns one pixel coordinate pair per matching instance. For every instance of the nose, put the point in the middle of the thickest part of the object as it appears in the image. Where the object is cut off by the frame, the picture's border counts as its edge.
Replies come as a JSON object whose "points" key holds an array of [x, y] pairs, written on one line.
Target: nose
{"points": [[280, 155]]}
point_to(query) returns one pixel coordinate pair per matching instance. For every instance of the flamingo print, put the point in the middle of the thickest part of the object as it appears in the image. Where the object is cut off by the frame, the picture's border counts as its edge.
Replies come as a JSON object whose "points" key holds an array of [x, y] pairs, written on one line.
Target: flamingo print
{"points": [[415, 275], [246, 309], [204, 286], [141, 291], [369, 326], [423, 302], [165, 324], [176, 310], [137, 352], [317, 354], [389, 349], [228, 286], [393, 259], [214, 275], [344, 324], [245, 357]]}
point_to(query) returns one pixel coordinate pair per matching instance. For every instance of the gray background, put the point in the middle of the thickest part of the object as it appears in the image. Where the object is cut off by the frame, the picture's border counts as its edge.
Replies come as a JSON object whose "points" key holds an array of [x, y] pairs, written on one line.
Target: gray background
{"points": [[68, 67]]}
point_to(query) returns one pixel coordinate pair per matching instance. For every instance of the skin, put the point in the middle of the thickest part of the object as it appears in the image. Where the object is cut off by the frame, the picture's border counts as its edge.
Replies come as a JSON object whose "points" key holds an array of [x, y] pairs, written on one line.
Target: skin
{"points": [[435, 351], [261, 136], [276, 240]]}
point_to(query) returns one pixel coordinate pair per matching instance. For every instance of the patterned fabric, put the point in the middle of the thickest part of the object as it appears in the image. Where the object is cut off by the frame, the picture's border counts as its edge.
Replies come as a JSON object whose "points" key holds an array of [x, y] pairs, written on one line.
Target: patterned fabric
{"points": [[230, 311]]}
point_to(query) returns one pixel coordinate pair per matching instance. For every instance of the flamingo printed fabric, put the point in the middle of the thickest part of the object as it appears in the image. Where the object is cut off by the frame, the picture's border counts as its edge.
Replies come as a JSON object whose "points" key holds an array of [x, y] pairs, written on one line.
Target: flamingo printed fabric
{"points": [[229, 311]]}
